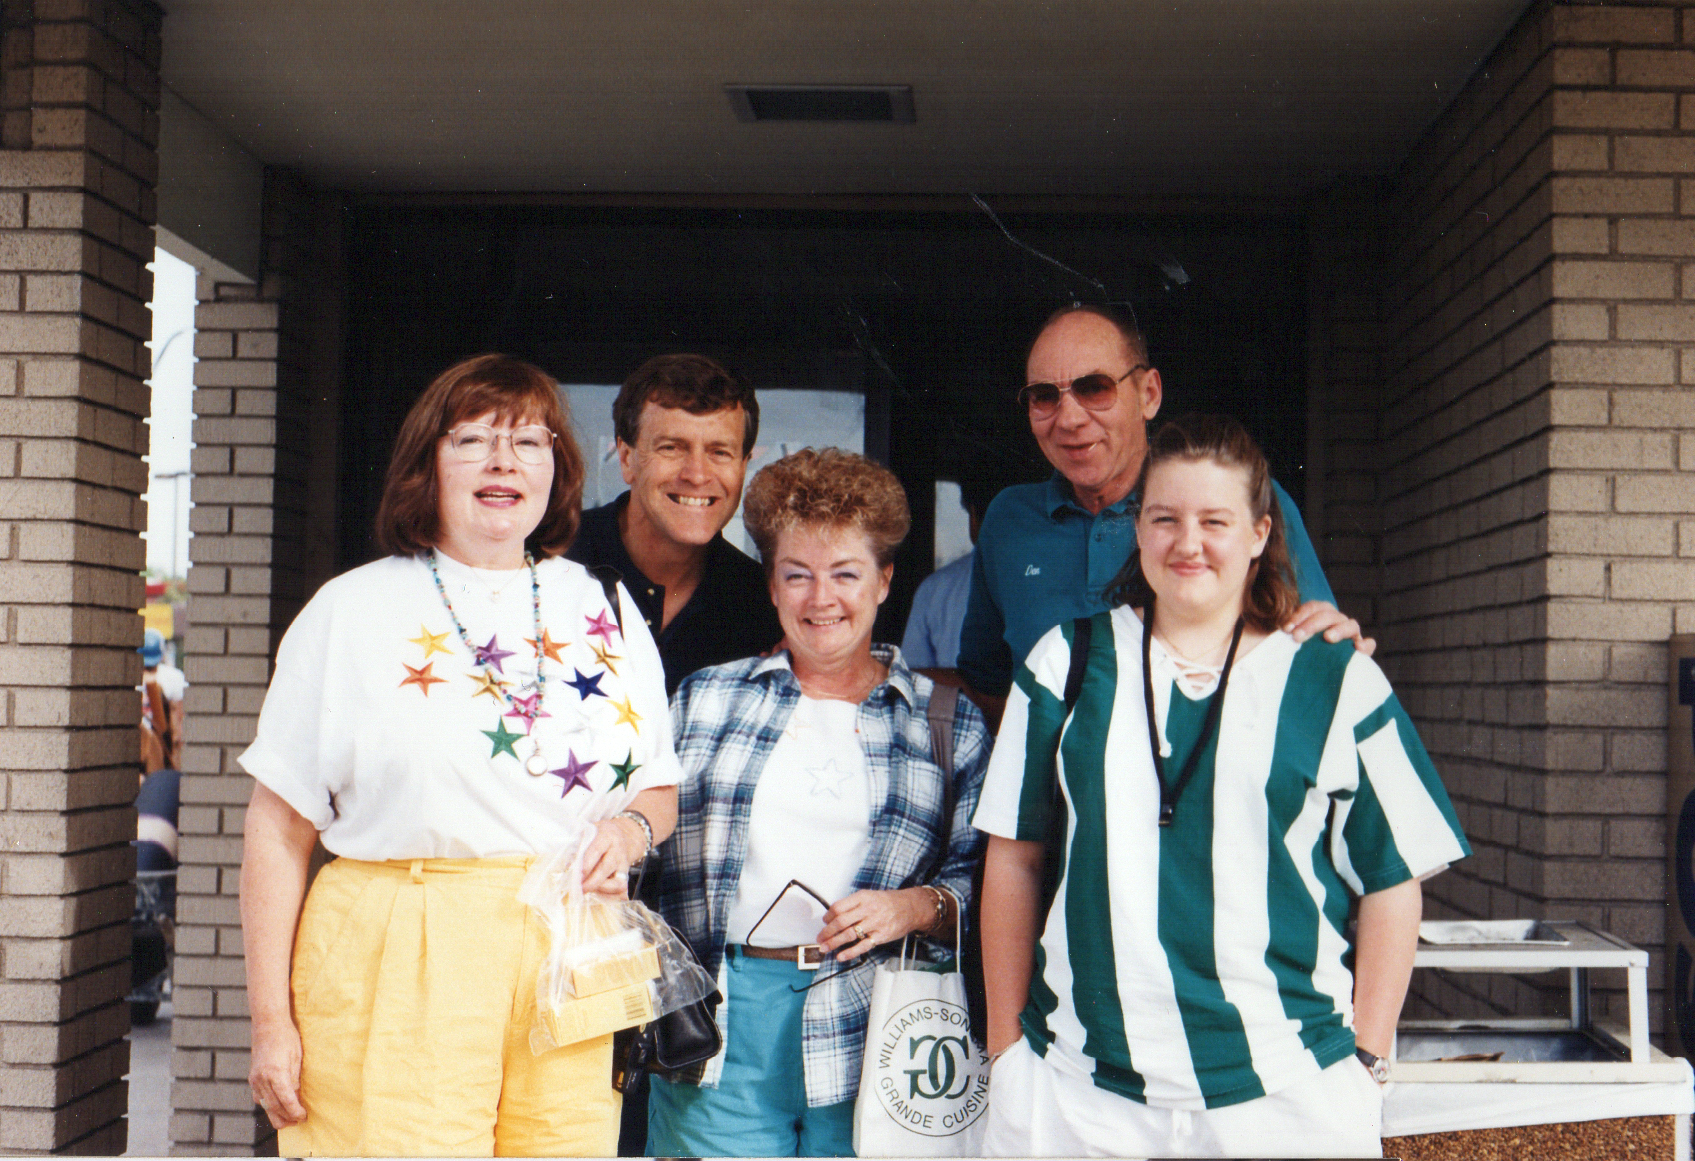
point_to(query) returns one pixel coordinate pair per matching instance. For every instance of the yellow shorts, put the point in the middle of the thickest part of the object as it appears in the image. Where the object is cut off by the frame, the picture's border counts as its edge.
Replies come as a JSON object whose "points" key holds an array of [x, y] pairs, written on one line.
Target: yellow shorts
{"points": [[414, 988]]}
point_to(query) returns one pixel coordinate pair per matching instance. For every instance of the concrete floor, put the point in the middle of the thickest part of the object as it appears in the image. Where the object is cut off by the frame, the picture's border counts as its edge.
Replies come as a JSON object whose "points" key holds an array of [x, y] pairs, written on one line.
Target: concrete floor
{"points": [[150, 1088]]}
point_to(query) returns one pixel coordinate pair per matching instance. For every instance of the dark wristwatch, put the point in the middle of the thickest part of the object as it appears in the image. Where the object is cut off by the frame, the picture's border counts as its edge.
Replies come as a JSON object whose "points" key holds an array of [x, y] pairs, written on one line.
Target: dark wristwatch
{"points": [[1376, 1065]]}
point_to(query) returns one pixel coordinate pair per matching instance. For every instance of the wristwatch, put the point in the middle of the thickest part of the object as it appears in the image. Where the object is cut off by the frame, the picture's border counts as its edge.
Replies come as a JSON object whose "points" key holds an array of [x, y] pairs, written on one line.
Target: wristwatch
{"points": [[1376, 1065]]}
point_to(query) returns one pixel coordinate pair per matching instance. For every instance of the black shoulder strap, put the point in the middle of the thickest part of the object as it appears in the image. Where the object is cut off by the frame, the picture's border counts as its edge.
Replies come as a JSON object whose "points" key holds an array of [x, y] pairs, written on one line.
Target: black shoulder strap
{"points": [[1082, 631], [609, 578], [1082, 636]]}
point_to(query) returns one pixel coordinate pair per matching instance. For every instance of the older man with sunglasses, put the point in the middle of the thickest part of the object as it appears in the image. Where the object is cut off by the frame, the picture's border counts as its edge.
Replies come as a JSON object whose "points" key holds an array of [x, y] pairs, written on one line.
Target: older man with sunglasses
{"points": [[1047, 551]]}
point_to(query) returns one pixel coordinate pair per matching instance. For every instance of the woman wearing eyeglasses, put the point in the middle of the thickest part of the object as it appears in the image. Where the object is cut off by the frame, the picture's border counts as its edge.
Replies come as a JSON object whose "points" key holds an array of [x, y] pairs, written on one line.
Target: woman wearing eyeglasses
{"points": [[1225, 796], [815, 764], [437, 718]]}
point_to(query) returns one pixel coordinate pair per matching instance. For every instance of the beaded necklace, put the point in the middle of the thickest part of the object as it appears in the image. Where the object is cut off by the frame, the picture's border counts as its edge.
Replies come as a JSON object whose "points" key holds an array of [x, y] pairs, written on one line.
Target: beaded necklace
{"points": [[486, 656]]}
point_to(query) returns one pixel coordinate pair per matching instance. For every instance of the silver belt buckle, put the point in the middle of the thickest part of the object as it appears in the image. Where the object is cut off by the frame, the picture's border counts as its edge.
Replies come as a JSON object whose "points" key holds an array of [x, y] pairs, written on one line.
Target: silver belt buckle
{"points": [[809, 957]]}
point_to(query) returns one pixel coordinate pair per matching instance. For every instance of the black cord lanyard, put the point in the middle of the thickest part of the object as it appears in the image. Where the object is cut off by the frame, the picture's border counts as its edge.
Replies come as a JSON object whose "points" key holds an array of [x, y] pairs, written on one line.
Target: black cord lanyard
{"points": [[1168, 792]]}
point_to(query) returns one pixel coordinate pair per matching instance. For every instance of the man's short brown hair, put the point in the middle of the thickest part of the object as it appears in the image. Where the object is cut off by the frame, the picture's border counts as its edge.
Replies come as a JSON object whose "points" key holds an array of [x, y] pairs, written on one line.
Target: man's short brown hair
{"points": [[692, 383], [409, 516]]}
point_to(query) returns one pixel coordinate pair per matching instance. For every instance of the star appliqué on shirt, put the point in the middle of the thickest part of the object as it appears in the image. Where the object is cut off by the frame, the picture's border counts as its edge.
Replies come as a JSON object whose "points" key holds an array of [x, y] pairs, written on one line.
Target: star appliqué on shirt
{"points": [[829, 779], [574, 773], [528, 708], [492, 653], [430, 643], [585, 685], [502, 738], [602, 626], [603, 655], [626, 714], [488, 683], [623, 770], [550, 648], [421, 677]]}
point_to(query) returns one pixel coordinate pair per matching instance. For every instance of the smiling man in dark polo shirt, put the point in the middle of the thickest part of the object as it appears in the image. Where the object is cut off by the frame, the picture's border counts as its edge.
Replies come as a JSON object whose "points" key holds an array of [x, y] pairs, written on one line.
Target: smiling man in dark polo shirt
{"points": [[685, 429]]}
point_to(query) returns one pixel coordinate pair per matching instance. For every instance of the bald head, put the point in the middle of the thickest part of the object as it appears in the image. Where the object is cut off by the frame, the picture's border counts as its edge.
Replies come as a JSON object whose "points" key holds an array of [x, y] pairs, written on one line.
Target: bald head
{"points": [[1135, 346]]}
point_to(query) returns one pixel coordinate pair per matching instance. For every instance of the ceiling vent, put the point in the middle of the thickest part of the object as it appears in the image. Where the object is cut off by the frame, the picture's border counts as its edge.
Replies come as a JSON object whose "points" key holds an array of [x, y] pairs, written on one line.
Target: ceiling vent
{"points": [[821, 102]]}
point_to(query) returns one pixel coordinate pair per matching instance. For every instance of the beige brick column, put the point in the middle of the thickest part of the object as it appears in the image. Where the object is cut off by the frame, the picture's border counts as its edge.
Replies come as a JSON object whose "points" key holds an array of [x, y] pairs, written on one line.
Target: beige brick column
{"points": [[264, 474], [1536, 466], [1345, 336], [1622, 455], [78, 130]]}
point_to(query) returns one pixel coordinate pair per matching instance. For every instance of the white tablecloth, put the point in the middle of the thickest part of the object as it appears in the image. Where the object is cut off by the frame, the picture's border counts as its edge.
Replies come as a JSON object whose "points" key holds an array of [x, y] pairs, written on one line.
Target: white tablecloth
{"points": [[1445, 1108]]}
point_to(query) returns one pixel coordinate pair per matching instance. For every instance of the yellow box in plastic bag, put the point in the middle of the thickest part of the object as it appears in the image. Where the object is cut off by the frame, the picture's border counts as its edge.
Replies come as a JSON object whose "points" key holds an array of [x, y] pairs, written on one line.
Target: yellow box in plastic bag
{"points": [[589, 1016], [602, 975]]}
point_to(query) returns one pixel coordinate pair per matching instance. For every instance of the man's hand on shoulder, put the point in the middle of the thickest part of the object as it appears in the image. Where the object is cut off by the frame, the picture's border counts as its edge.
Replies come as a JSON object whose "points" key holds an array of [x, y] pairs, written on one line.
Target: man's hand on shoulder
{"points": [[1317, 617]]}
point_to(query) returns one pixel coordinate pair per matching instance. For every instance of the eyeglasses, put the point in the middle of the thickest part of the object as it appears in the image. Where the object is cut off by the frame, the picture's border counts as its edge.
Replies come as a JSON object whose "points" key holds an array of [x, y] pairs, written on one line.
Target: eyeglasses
{"points": [[1097, 392], [472, 443]]}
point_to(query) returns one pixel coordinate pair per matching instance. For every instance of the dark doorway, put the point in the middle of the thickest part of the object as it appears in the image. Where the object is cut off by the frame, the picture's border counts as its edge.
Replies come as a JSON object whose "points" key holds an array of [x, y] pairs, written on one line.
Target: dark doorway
{"points": [[927, 313]]}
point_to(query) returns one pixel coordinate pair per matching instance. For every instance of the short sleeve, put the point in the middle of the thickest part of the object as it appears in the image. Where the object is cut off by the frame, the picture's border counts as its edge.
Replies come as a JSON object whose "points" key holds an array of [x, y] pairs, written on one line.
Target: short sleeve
{"points": [[1396, 822], [1018, 788], [302, 750]]}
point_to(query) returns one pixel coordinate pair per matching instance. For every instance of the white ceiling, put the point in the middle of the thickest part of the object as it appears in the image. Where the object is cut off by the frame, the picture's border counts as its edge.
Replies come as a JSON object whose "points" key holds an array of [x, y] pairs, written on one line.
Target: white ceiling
{"points": [[1086, 97]]}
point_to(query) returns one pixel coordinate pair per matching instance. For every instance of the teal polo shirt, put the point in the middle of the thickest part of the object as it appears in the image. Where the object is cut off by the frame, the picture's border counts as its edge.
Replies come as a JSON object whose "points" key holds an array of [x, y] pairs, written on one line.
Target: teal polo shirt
{"points": [[1042, 559]]}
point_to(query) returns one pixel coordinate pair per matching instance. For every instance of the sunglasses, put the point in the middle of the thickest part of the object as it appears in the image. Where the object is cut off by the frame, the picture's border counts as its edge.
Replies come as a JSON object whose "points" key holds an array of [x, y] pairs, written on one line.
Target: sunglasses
{"points": [[1097, 392]]}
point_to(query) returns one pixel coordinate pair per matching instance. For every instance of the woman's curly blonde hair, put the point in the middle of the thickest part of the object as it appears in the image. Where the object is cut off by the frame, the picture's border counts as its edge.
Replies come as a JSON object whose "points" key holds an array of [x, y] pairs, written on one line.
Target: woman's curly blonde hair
{"points": [[828, 488]]}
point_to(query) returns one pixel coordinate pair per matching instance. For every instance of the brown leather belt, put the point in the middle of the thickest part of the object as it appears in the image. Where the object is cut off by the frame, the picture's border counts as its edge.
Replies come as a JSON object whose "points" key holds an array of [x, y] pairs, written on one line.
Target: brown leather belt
{"points": [[808, 957]]}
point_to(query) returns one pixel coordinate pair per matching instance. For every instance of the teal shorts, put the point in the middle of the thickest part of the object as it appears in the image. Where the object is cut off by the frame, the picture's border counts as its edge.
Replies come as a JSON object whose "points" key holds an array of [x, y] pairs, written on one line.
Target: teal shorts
{"points": [[759, 1108]]}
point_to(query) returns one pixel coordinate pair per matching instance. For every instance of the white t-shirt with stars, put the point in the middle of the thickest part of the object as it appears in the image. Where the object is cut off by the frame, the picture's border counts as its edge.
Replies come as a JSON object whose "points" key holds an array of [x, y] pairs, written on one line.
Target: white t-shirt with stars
{"points": [[810, 820], [382, 730]]}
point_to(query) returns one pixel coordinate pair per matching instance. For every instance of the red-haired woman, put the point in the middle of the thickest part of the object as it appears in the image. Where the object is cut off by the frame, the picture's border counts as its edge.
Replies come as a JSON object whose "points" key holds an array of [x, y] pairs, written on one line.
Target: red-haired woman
{"points": [[809, 778], [438, 718]]}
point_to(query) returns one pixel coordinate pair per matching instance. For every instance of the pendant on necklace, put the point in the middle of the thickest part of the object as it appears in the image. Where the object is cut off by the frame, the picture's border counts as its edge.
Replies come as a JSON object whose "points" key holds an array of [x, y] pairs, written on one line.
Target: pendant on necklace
{"points": [[535, 765]]}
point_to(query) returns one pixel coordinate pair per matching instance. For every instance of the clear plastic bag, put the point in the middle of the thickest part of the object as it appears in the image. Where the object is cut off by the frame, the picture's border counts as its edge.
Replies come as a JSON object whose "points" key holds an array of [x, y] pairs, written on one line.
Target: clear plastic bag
{"points": [[611, 963]]}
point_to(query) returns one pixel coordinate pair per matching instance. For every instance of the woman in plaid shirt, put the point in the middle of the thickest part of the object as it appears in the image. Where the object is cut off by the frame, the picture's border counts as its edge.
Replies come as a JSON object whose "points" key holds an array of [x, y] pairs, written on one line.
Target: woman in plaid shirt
{"points": [[817, 829]]}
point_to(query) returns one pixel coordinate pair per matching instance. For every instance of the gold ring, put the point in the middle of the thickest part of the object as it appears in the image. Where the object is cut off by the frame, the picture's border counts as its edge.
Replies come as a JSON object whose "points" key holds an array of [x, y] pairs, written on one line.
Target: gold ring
{"points": [[859, 931]]}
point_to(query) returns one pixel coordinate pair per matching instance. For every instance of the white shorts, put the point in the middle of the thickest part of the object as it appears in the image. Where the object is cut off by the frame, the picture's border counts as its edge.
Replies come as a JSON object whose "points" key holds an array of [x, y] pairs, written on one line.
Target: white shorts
{"points": [[1037, 1110]]}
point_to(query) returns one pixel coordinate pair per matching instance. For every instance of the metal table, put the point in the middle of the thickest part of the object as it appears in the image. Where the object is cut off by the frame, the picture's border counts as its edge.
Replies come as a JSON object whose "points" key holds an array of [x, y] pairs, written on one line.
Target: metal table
{"points": [[1549, 1050]]}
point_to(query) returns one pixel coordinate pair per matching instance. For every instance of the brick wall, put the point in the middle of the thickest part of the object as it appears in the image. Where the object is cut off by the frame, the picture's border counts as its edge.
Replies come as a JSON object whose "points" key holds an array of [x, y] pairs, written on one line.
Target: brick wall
{"points": [[78, 128], [1534, 456], [1345, 336], [264, 475]]}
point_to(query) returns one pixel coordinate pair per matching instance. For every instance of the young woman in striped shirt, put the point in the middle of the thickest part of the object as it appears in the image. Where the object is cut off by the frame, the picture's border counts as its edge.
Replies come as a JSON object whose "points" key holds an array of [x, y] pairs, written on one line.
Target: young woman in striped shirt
{"points": [[1228, 797]]}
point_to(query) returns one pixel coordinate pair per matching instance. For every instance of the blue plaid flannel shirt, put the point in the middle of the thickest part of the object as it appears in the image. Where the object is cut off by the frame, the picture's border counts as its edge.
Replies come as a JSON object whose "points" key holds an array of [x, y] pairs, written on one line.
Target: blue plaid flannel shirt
{"points": [[727, 720]]}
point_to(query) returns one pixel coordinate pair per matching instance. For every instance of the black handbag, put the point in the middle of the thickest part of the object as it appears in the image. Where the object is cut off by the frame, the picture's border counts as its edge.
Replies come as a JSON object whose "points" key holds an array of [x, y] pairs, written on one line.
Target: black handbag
{"points": [[670, 1044], [675, 1041]]}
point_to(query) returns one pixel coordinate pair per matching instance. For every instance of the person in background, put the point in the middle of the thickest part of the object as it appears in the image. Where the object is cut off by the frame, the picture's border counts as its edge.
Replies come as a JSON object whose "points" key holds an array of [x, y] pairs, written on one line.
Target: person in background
{"points": [[817, 828], [163, 687], [1048, 552], [439, 718], [931, 641], [153, 925], [685, 430], [1221, 795]]}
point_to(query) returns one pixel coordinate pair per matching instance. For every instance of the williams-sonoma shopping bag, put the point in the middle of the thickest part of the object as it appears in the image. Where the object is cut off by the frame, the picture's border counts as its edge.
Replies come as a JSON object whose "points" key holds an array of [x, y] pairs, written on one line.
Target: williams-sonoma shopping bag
{"points": [[925, 1083]]}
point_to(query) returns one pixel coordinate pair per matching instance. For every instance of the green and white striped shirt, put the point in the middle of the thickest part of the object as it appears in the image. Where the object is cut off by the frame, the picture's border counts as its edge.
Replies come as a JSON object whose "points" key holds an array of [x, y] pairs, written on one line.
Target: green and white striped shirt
{"points": [[1205, 964]]}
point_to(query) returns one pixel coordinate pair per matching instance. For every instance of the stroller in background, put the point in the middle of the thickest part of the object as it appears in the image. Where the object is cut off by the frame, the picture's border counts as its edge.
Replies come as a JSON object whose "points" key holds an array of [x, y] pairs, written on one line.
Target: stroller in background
{"points": [[153, 925]]}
